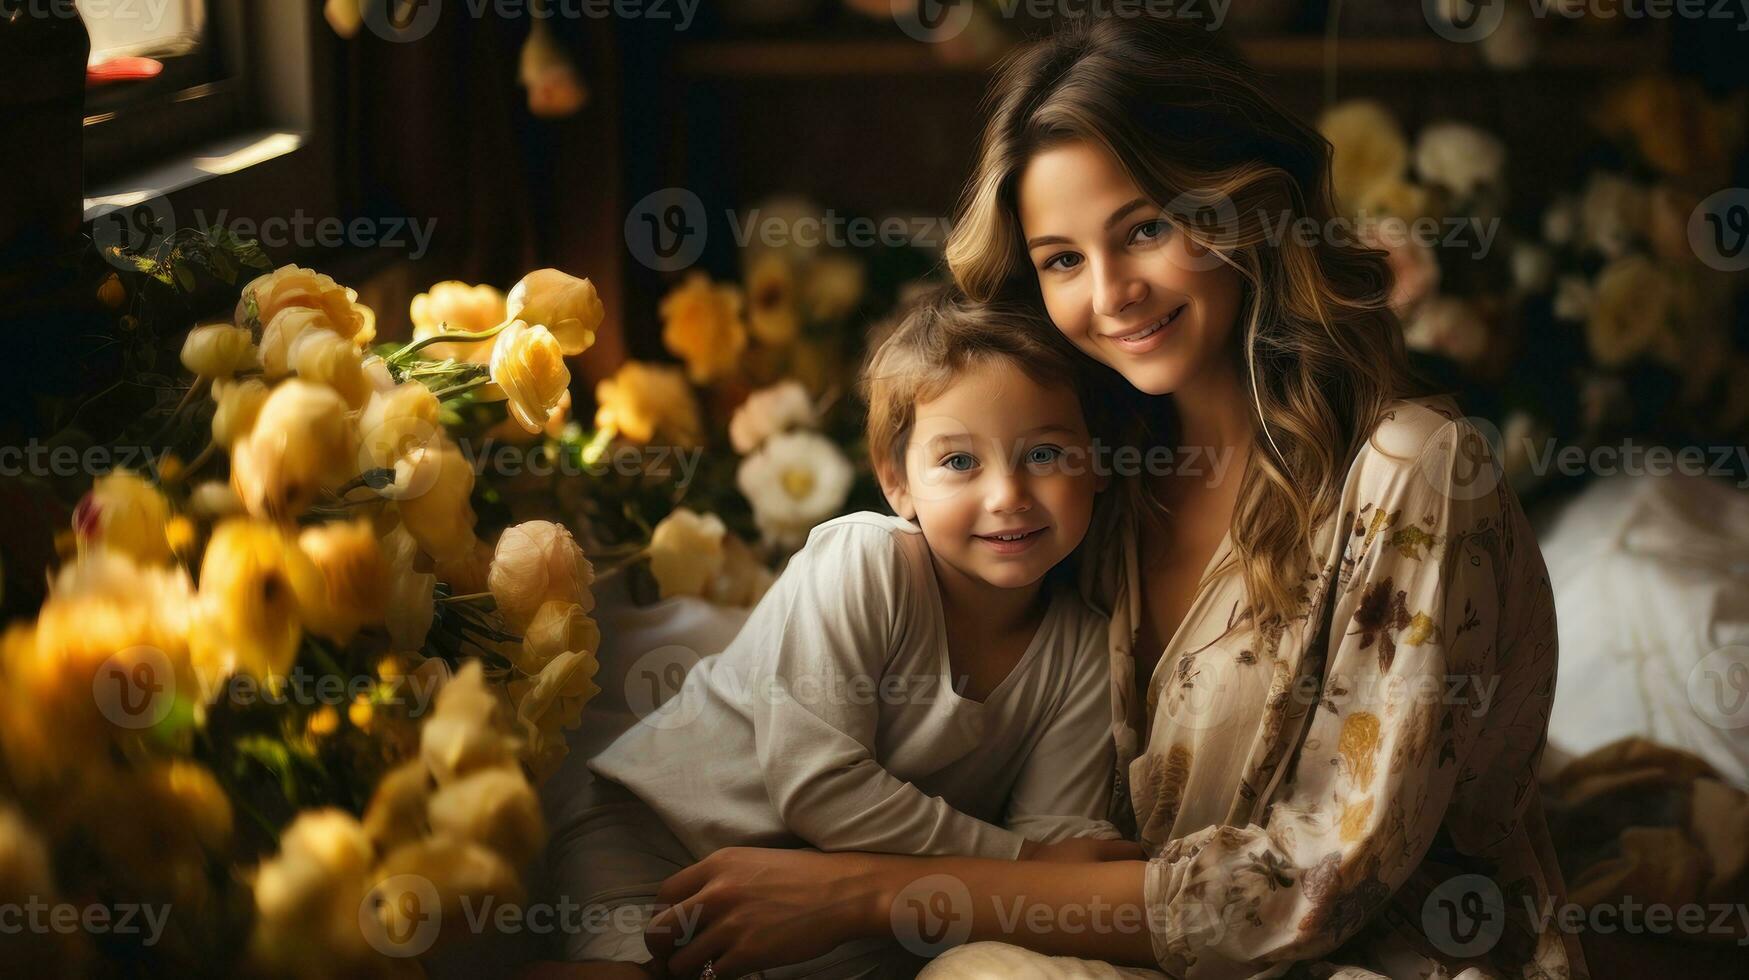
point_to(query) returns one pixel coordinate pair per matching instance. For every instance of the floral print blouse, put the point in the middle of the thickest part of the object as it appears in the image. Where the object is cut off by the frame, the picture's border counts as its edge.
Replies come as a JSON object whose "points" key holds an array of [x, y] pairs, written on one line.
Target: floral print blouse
{"points": [[1352, 791]]}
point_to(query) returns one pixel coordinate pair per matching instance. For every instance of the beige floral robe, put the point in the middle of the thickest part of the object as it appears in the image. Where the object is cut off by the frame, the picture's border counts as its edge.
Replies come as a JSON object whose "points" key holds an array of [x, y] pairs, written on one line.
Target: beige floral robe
{"points": [[1350, 792]]}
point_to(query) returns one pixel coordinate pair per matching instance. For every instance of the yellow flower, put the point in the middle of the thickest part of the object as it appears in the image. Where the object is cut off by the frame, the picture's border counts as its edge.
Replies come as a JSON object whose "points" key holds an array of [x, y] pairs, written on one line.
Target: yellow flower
{"points": [[495, 807], [301, 444], [1675, 126], [125, 513], [771, 294], [553, 703], [355, 578], [743, 580], [558, 627], [254, 584], [412, 603], [686, 552], [396, 813], [701, 324], [832, 285], [307, 898], [467, 730], [534, 562], [1368, 149], [325, 358], [463, 876], [218, 350], [555, 90], [238, 405], [648, 403], [528, 364], [290, 287], [397, 422], [456, 307], [434, 503], [1634, 312], [570, 308]]}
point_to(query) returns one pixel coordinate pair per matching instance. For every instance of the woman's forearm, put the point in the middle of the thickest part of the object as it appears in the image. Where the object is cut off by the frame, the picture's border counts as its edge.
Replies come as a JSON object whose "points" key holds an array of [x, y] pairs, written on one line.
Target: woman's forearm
{"points": [[1093, 911]]}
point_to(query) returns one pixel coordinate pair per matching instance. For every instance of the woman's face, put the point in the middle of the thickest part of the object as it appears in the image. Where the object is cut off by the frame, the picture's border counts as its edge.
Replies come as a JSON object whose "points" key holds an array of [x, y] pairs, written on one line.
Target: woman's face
{"points": [[1117, 278]]}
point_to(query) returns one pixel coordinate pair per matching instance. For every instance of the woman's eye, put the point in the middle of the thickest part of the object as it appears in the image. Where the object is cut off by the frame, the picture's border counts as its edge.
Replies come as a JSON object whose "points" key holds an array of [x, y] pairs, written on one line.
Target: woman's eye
{"points": [[1063, 261], [959, 462], [1148, 231]]}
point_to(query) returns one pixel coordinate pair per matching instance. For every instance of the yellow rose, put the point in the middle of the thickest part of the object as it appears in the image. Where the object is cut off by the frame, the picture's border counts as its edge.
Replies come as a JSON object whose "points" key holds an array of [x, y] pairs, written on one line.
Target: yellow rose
{"points": [[125, 513], [831, 287], [301, 444], [283, 331], [1635, 311], [412, 603], [570, 308], [558, 627], [534, 562], [495, 807], [218, 350], [1368, 149], [467, 730], [456, 307], [396, 813], [291, 287], [396, 422], [307, 898], [686, 552], [771, 295], [254, 584], [326, 359], [743, 579], [553, 703], [528, 364], [463, 875], [701, 324], [435, 486], [649, 403], [238, 405], [355, 578]]}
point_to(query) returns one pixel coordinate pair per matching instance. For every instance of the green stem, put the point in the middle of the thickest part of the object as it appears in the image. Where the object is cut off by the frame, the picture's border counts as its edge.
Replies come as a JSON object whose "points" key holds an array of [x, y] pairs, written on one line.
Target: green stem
{"points": [[470, 597], [446, 338], [461, 389]]}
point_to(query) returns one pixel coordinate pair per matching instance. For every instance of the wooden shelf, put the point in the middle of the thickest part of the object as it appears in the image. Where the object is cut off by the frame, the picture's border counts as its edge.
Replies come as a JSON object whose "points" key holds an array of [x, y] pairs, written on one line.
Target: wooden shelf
{"points": [[1288, 54]]}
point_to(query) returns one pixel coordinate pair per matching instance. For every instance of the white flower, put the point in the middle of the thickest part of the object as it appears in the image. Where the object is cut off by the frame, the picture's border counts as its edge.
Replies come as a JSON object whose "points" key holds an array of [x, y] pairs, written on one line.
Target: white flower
{"points": [[795, 481], [1532, 267], [768, 411], [1447, 325], [1573, 298], [1614, 213], [1459, 156]]}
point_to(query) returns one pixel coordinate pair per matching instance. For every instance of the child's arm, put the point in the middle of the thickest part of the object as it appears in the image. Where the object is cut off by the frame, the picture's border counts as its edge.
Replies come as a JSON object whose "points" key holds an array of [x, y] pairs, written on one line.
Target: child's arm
{"points": [[816, 705], [1064, 788]]}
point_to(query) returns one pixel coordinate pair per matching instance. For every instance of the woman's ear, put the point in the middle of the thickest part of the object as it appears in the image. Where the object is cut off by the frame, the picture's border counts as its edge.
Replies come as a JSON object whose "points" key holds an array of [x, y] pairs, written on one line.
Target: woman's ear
{"points": [[896, 489]]}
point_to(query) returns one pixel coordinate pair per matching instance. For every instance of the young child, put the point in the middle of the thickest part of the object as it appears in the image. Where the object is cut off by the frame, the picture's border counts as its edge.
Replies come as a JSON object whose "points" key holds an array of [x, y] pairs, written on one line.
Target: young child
{"points": [[925, 684]]}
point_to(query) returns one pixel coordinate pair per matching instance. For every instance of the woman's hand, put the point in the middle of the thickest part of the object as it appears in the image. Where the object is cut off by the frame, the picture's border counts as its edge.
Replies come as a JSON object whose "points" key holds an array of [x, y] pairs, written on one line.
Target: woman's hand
{"points": [[750, 908]]}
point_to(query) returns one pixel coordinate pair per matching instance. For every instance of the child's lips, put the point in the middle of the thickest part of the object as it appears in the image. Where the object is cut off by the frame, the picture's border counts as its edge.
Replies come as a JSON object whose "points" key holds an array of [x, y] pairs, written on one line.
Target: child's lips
{"points": [[1012, 541]]}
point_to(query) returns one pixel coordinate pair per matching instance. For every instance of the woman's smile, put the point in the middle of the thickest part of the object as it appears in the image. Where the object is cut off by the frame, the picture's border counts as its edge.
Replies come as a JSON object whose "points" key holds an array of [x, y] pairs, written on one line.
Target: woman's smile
{"points": [[1150, 336]]}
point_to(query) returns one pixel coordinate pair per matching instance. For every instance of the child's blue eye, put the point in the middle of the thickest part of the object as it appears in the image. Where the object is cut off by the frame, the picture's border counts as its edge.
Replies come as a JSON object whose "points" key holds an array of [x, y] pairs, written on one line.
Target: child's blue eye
{"points": [[1043, 455], [955, 462]]}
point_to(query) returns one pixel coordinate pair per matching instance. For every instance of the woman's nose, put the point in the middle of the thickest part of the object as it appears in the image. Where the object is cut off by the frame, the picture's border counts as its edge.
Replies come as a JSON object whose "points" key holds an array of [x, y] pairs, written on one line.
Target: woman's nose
{"points": [[1116, 287]]}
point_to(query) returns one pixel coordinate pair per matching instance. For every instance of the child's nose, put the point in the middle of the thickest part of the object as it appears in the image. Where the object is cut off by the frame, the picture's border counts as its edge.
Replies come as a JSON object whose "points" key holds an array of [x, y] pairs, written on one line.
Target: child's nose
{"points": [[1008, 493]]}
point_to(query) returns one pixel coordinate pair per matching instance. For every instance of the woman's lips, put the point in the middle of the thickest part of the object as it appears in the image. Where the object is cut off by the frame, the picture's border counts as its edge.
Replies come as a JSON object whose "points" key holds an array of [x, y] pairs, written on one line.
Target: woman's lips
{"points": [[1150, 336]]}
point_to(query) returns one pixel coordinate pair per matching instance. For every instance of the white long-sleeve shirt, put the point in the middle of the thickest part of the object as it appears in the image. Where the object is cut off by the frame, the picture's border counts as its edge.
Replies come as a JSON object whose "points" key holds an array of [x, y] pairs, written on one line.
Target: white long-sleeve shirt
{"points": [[830, 721]]}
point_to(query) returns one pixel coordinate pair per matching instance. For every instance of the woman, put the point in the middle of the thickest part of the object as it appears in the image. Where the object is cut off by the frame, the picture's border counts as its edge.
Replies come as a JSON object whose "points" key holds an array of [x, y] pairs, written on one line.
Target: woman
{"points": [[1333, 640]]}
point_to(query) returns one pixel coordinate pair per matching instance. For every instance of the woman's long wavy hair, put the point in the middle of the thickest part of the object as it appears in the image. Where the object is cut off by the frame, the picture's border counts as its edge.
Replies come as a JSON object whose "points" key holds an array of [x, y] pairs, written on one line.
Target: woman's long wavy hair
{"points": [[1320, 349]]}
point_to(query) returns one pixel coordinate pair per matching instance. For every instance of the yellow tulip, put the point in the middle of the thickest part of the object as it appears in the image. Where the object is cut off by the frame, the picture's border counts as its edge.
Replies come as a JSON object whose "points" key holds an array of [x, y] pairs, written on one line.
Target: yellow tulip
{"points": [[528, 364]]}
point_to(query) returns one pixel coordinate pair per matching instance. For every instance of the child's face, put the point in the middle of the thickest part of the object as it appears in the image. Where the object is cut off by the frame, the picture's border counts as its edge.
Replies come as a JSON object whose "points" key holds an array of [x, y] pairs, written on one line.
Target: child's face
{"points": [[993, 456]]}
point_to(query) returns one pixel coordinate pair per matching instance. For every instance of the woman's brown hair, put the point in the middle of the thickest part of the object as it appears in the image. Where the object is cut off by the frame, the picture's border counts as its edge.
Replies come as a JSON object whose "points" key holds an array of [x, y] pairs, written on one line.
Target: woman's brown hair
{"points": [[1182, 115]]}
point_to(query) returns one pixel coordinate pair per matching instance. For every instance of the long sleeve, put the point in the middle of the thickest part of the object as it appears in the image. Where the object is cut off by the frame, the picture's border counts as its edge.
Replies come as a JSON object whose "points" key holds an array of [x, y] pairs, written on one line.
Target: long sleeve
{"points": [[829, 626], [1412, 661], [1065, 784]]}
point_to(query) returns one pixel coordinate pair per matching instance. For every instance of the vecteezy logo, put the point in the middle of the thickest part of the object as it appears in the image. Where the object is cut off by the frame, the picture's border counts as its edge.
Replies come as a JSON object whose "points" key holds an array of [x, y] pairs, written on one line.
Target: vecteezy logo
{"points": [[401, 21], [1465, 916], [1718, 230], [1464, 21], [1460, 463], [132, 230], [401, 915], [1718, 688], [655, 679], [932, 914], [135, 688], [933, 20], [666, 229]]}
